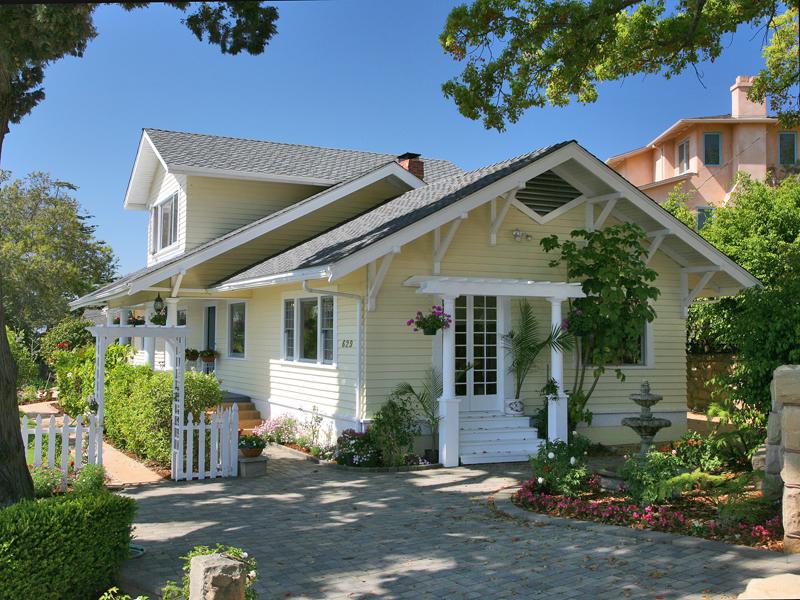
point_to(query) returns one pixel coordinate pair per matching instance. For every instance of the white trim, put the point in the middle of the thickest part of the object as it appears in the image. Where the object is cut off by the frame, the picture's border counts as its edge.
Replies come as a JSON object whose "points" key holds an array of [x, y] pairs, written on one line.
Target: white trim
{"points": [[229, 332], [277, 279], [128, 203], [497, 219], [441, 248], [376, 277], [654, 244], [249, 175], [300, 209], [485, 286]]}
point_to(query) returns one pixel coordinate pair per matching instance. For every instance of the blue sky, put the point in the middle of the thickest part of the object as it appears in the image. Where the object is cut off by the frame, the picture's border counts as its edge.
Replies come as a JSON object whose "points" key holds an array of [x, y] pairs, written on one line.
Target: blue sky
{"points": [[349, 74]]}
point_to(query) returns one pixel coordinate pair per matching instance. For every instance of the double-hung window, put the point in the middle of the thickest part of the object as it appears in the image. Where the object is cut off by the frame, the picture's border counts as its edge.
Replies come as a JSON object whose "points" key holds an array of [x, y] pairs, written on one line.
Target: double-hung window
{"points": [[704, 214], [787, 148], [164, 224], [308, 329], [712, 149], [237, 315], [683, 157]]}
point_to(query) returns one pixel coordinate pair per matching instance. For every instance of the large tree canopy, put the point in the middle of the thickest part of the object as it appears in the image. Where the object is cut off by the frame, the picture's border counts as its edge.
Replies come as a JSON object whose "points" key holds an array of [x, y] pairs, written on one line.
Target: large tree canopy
{"points": [[48, 251], [31, 37], [525, 53]]}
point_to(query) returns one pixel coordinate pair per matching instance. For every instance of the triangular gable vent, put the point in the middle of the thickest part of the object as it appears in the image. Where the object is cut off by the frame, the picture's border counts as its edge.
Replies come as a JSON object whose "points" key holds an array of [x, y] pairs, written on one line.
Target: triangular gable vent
{"points": [[546, 192]]}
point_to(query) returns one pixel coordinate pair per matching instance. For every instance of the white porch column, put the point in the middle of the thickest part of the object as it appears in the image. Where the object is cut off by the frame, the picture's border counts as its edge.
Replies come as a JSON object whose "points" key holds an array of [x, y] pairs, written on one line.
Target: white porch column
{"points": [[172, 321], [123, 321], [149, 343], [109, 316], [557, 409], [448, 403]]}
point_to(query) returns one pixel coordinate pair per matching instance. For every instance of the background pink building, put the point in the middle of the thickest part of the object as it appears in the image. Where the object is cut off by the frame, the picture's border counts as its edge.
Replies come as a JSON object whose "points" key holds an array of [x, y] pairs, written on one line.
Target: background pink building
{"points": [[704, 154]]}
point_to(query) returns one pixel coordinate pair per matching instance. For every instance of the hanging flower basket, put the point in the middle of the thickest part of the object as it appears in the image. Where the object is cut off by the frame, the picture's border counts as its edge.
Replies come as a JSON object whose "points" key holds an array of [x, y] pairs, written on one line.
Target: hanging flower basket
{"points": [[208, 356], [432, 322], [192, 354]]}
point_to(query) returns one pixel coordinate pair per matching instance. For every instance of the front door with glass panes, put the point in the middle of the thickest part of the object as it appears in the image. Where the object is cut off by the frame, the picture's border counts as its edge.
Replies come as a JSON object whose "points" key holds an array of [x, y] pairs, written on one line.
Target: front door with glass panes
{"points": [[476, 347]]}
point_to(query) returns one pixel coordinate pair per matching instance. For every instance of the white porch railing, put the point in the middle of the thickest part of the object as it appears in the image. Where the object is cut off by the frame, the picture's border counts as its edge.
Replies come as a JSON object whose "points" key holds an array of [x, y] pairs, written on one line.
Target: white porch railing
{"points": [[209, 448], [55, 445]]}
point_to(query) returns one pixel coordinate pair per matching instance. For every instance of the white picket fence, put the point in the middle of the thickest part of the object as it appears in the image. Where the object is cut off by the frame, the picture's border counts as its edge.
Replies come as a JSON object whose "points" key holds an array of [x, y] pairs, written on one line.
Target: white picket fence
{"points": [[80, 441], [222, 430]]}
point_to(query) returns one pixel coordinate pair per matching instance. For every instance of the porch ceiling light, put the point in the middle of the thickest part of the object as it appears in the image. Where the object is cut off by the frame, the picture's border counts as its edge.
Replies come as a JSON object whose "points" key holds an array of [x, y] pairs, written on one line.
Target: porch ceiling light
{"points": [[158, 303]]}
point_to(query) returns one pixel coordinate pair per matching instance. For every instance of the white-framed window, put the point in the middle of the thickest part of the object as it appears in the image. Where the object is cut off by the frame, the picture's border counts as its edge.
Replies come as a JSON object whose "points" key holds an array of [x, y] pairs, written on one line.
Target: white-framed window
{"points": [[164, 224], [683, 157], [642, 354], [182, 316], [787, 147], [237, 319], [712, 149], [309, 329]]}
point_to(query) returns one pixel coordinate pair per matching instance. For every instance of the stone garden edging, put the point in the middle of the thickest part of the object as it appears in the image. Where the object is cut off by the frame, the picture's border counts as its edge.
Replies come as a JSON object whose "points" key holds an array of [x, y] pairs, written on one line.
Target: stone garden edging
{"points": [[500, 502], [327, 463]]}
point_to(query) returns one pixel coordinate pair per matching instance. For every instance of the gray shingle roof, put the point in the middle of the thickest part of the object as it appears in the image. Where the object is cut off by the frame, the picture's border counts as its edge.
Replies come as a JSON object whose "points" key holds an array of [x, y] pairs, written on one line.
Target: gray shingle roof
{"points": [[276, 158], [388, 218]]}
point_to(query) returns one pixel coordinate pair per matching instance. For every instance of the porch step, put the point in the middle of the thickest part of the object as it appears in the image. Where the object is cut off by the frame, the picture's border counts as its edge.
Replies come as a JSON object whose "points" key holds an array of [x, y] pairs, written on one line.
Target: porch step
{"points": [[234, 397], [495, 438], [493, 457], [242, 406], [249, 415]]}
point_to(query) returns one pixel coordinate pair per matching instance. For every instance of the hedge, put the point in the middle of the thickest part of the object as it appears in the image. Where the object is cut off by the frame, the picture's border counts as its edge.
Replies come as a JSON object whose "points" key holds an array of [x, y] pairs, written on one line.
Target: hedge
{"points": [[138, 408], [70, 332], [64, 547]]}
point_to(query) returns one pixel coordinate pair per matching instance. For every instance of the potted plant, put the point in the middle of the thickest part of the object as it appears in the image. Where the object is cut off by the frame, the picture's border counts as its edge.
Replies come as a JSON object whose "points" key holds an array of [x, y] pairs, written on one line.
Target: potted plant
{"points": [[524, 344], [251, 445], [208, 355], [432, 322], [158, 319], [427, 399], [192, 354]]}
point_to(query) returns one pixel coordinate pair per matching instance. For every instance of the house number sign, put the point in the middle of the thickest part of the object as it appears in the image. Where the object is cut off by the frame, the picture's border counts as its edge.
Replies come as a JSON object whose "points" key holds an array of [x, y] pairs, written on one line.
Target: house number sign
{"points": [[347, 343]]}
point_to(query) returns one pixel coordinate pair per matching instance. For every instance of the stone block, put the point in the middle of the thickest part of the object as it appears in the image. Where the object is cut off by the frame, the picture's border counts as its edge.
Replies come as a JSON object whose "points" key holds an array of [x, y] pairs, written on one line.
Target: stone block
{"points": [[216, 577], [772, 486], [252, 467], [791, 468], [790, 427], [784, 586], [774, 462], [785, 386], [791, 517], [759, 460], [774, 428]]}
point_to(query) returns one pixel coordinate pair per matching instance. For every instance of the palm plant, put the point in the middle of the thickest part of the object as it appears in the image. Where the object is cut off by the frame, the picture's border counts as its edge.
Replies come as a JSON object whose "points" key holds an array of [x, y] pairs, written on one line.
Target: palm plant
{"points": [[427, 399], [525, 343]]}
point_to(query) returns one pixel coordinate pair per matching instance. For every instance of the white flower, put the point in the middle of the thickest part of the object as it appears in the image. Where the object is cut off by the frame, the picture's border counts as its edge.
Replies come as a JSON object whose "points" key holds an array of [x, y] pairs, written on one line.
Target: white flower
{"points": [[550, 455], [573, 460], [244, 554], [540, 481], [674, 453], [252, 574], [574, 433]]}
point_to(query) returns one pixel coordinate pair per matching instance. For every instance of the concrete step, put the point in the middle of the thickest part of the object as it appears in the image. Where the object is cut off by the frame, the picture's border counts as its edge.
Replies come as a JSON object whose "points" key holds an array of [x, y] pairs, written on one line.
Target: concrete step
{"points": [[493, 457], [519, 445], [500, 433], [492, 421]]}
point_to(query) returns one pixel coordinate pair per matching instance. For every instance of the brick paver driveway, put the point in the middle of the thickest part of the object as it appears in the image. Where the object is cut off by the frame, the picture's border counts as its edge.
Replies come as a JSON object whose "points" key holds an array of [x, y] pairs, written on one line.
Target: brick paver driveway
{"points": [[320, 532]]}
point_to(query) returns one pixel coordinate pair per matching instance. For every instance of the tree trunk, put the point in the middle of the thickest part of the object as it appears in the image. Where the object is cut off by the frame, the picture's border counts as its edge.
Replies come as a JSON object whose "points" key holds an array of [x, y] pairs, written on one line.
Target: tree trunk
{"points": [[15, 479]]}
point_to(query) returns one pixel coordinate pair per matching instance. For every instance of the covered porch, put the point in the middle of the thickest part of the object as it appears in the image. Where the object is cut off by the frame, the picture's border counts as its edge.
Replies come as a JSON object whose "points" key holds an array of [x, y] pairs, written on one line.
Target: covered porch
{"points": [[448, 290]]}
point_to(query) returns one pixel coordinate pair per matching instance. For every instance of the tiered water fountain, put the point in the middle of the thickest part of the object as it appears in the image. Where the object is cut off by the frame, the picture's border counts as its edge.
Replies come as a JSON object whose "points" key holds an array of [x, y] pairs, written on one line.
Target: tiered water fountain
{"points": [[646, 425]]}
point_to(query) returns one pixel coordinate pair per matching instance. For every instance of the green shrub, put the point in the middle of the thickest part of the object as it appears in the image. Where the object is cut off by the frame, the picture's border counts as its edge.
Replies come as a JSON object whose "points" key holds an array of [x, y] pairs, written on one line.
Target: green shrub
{"points": [[357, 449], [697, 452], [174, 592], [644, 475], [64, 547], [560, 467], [68, 334], [27, 369], [74, 370], [138, 408], [46, 481], [91, 479], [28, 394], [393, 429]]}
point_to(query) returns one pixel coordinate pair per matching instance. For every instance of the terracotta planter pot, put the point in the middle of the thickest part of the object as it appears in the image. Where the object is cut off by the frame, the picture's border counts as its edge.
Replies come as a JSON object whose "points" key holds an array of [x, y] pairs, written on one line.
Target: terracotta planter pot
{"points": [[251, 452], [208, 359]]}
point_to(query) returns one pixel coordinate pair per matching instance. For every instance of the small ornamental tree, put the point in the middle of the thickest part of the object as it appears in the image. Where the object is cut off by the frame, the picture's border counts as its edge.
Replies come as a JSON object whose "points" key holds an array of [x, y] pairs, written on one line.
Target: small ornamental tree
{"points": [[607, 323]]}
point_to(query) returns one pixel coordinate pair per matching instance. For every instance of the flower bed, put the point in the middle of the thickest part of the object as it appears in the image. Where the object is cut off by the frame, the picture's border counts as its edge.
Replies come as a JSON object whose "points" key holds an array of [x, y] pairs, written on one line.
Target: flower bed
{"points": [[690, 514]]}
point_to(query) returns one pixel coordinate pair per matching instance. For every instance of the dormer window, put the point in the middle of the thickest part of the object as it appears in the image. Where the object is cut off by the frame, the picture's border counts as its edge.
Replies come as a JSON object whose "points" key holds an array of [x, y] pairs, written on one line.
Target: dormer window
{"points": [[164, 224], [683, 157]]}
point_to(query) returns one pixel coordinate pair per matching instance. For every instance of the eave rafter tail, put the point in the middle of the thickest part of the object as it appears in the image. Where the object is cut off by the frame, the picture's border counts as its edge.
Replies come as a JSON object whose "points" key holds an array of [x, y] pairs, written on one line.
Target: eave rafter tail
{"points": [[441, 245]]}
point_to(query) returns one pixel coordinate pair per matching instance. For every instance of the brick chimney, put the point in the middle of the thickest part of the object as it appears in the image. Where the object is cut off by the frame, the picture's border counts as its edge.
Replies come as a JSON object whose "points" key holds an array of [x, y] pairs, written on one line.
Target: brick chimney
{"points": [[740, 105], [411, 162]]}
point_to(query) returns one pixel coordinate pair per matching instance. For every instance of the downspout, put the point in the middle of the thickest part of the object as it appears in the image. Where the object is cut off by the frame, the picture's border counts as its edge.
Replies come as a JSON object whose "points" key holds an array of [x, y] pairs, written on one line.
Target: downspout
{"points": [[359, 340]]}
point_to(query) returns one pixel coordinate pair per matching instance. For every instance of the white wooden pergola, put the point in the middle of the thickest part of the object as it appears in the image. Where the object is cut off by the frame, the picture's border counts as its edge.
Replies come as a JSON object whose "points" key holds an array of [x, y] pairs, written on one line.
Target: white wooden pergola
{"points": [[450, 288], [105, 335]]}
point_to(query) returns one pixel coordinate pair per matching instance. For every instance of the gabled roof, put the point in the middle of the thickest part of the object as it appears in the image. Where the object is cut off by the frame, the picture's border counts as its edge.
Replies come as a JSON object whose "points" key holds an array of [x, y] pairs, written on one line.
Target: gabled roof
{"points": [[182, 153], [322, 255]]}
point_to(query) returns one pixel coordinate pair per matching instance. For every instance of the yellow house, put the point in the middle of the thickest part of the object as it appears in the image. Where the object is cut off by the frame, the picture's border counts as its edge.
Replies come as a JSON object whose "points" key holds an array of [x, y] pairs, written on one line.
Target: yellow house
{"points": [[299, 266]]}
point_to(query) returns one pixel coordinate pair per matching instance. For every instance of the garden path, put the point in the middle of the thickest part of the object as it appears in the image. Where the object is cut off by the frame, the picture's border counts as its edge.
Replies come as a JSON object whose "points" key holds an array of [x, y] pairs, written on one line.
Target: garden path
{"points": [[322, 532]]}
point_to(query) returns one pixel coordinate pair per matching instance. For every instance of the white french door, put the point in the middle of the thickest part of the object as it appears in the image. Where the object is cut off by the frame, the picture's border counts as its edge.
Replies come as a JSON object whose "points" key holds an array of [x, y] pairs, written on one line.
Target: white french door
{"points": [[477, 345]]}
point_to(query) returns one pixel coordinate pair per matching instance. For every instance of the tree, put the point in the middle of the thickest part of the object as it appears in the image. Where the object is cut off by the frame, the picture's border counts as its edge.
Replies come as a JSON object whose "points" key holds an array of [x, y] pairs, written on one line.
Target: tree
{"points": [[675, 204], [31, 37], [525, 53], [607, 323]]}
